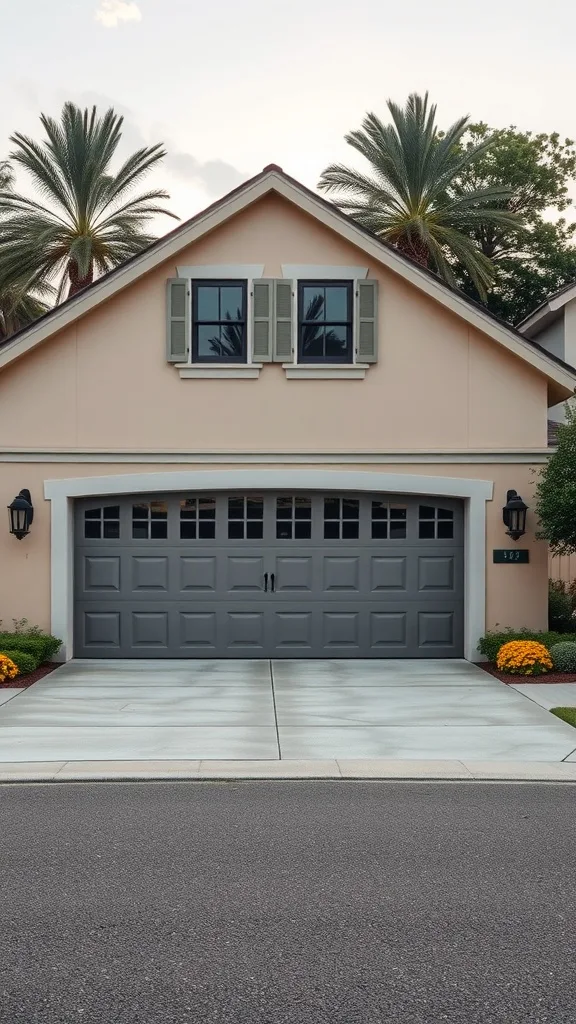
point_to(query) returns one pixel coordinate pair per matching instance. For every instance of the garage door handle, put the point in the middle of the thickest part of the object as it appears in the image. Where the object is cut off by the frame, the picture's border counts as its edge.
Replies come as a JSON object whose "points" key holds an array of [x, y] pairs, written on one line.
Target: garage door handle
{"points": [[265, 582], [272, 580]]}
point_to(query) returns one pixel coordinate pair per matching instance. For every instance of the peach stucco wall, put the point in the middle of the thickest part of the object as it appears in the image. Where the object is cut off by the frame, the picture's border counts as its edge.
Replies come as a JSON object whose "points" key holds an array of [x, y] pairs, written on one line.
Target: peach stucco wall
{"points": [[516, 595], [439, 385]]}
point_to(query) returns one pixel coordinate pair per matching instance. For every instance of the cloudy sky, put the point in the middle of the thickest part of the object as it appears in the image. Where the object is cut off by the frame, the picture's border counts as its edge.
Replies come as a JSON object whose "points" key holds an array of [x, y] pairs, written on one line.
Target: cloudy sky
{"points": [[232, 85]]}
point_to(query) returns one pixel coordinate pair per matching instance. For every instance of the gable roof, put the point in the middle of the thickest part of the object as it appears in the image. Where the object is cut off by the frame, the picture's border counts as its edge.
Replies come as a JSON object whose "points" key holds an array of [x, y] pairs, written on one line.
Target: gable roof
{"points": [[272, 179], [548, 311]]}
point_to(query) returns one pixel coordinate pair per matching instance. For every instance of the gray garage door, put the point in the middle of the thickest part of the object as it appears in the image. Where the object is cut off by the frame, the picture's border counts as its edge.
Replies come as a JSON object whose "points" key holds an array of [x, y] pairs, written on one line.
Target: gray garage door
{"points": [[269, 575]]}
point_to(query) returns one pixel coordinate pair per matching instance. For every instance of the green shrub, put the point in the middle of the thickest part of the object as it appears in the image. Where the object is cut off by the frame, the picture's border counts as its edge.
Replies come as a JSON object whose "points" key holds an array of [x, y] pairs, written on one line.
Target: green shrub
{"points": [[25, 663], [491, 642], [40, 645], [560, 607], [564, 656]]}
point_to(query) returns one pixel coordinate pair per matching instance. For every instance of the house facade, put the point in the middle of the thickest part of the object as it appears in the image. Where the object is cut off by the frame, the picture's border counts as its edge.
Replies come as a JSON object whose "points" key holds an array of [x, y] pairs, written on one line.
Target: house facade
{"points": [[270, 435]]}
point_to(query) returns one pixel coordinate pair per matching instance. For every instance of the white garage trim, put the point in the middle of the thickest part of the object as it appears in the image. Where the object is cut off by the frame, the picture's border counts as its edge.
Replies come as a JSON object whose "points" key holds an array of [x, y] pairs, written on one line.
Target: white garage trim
{"points": [[62, 493]]}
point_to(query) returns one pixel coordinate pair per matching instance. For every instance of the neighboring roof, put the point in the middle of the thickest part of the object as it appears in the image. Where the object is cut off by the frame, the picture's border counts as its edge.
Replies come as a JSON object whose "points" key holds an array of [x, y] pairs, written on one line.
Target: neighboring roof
{"points": [[561, 376], [547, 311]]}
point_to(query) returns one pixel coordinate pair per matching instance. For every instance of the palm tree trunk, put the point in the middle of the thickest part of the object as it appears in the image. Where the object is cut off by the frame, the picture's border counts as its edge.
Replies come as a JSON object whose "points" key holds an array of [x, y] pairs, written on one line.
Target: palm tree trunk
{"points": [[77, 283], [415, 249]]}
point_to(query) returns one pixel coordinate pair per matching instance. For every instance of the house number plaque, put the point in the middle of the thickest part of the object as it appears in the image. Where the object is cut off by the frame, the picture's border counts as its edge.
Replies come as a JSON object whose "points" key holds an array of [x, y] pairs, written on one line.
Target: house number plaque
{"points": [[516, 556]]}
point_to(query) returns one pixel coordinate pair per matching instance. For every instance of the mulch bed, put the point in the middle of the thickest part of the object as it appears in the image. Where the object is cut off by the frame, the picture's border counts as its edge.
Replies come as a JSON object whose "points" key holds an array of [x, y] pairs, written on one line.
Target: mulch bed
{"points": [[21, 682], [550, 677]]}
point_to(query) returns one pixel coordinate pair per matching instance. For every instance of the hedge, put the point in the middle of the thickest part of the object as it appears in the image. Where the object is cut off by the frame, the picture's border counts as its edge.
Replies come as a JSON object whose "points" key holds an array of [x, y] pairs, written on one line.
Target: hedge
{"points": [[491, 642], [41, 646], [25, 663]]}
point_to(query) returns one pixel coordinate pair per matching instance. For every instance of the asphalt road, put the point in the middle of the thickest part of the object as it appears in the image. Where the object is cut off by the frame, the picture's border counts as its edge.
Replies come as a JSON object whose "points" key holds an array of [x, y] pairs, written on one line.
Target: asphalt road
{"points": [[287, 903]]}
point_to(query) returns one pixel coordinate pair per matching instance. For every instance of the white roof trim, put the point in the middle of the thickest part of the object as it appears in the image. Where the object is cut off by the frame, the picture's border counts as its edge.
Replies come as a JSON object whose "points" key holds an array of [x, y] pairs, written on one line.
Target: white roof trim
{"points": [[169, 247]]}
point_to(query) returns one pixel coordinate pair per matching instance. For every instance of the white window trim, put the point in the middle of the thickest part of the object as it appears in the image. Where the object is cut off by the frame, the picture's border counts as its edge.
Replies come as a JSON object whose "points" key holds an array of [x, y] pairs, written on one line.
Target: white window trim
{"points": [[249, 370], [61, 494]]}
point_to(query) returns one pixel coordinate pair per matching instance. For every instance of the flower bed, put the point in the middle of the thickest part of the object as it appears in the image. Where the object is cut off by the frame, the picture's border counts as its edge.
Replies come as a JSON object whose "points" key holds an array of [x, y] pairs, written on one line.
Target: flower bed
{"points": [[21, 682], [550, 677]]}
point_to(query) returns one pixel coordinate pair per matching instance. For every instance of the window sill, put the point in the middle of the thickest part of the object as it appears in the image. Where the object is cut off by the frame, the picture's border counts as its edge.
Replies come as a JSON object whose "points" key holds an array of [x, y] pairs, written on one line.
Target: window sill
{"points": [[219, 371], [326, 371]]}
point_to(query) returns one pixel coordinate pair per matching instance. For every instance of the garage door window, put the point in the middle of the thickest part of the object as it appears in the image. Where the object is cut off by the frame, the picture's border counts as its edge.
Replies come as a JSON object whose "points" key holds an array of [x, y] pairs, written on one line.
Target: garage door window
{"points": [[388, 521], [293, 518], [341, 518], [245, 518], [435, 523], [198, 519], [150, 521], [102, 523]]}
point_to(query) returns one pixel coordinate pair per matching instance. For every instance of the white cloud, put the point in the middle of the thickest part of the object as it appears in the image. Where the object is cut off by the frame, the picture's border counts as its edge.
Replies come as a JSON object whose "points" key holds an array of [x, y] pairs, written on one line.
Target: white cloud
{"points": [[111, 12]]}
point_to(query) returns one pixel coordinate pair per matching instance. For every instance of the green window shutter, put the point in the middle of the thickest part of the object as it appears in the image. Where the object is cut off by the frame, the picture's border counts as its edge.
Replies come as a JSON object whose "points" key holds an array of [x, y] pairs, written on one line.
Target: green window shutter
{"points": [[367, 322], [178, 320], [283, 317], [262, 321]]}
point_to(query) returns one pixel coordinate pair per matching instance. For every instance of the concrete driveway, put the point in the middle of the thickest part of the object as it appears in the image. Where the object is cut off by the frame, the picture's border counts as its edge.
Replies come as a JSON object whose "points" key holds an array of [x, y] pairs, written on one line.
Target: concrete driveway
{"points": [[261, 710]]}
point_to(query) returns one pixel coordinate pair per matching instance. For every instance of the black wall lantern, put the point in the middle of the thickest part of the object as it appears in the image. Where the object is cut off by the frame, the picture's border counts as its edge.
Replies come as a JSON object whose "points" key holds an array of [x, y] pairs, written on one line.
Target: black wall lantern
{"points": [[514, 515], [21, 514]]}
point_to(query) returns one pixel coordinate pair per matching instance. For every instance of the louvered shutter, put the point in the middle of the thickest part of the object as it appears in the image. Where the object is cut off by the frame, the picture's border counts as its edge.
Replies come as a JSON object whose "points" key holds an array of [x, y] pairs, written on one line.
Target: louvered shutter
{"points": [[262, 321], [283, 322], [367, 322], [178, 320]]}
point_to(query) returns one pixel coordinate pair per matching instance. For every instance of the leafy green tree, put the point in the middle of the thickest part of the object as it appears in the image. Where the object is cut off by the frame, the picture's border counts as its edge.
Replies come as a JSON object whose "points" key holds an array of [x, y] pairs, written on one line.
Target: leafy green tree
{"points": [[556, 491], [87, 219], [537, 256], [19, 307], [413, 195]]}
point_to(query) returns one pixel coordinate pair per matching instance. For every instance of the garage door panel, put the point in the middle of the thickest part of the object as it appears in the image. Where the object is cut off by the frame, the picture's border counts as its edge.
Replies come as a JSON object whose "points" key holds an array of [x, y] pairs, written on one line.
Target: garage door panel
{"points": [[330, 576]]}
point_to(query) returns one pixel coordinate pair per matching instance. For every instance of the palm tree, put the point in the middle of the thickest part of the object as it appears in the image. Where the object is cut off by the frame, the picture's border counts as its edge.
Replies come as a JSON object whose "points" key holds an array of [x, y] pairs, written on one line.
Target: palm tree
{"points": [[410, 199], [86, 219], [19, 307]]}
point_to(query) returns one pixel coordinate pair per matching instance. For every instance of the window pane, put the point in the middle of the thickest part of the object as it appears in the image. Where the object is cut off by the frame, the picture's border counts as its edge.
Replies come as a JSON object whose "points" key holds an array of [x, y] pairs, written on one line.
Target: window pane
{"points": [[426, 531], [188, 529], [350, 530], [379, 510], [283, 508], [231, 303], [207, 303], [303, 530], [207, 508], [210, 342], [111, 529], [427, 512], [398, 513], [303, 508], [332, 530], [139, 511], [351, 508], [158, 530], [379, 530], [92, 529], [331, 508], [313, 304], [284, 530], [92, 513], [255, 508], [140, 531], [206, 529], [235, 508], [445, 513], [254, 530], [397, 530], [159, 510], [335, 342], [337, 303], [236, 530], [112, 512], [313, 342], [188, 508], [445, 530]]}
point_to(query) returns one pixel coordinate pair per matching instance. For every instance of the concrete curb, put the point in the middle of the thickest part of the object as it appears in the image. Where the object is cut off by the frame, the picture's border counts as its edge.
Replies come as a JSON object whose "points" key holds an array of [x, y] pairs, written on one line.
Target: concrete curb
{"points": [[202, 771]]}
